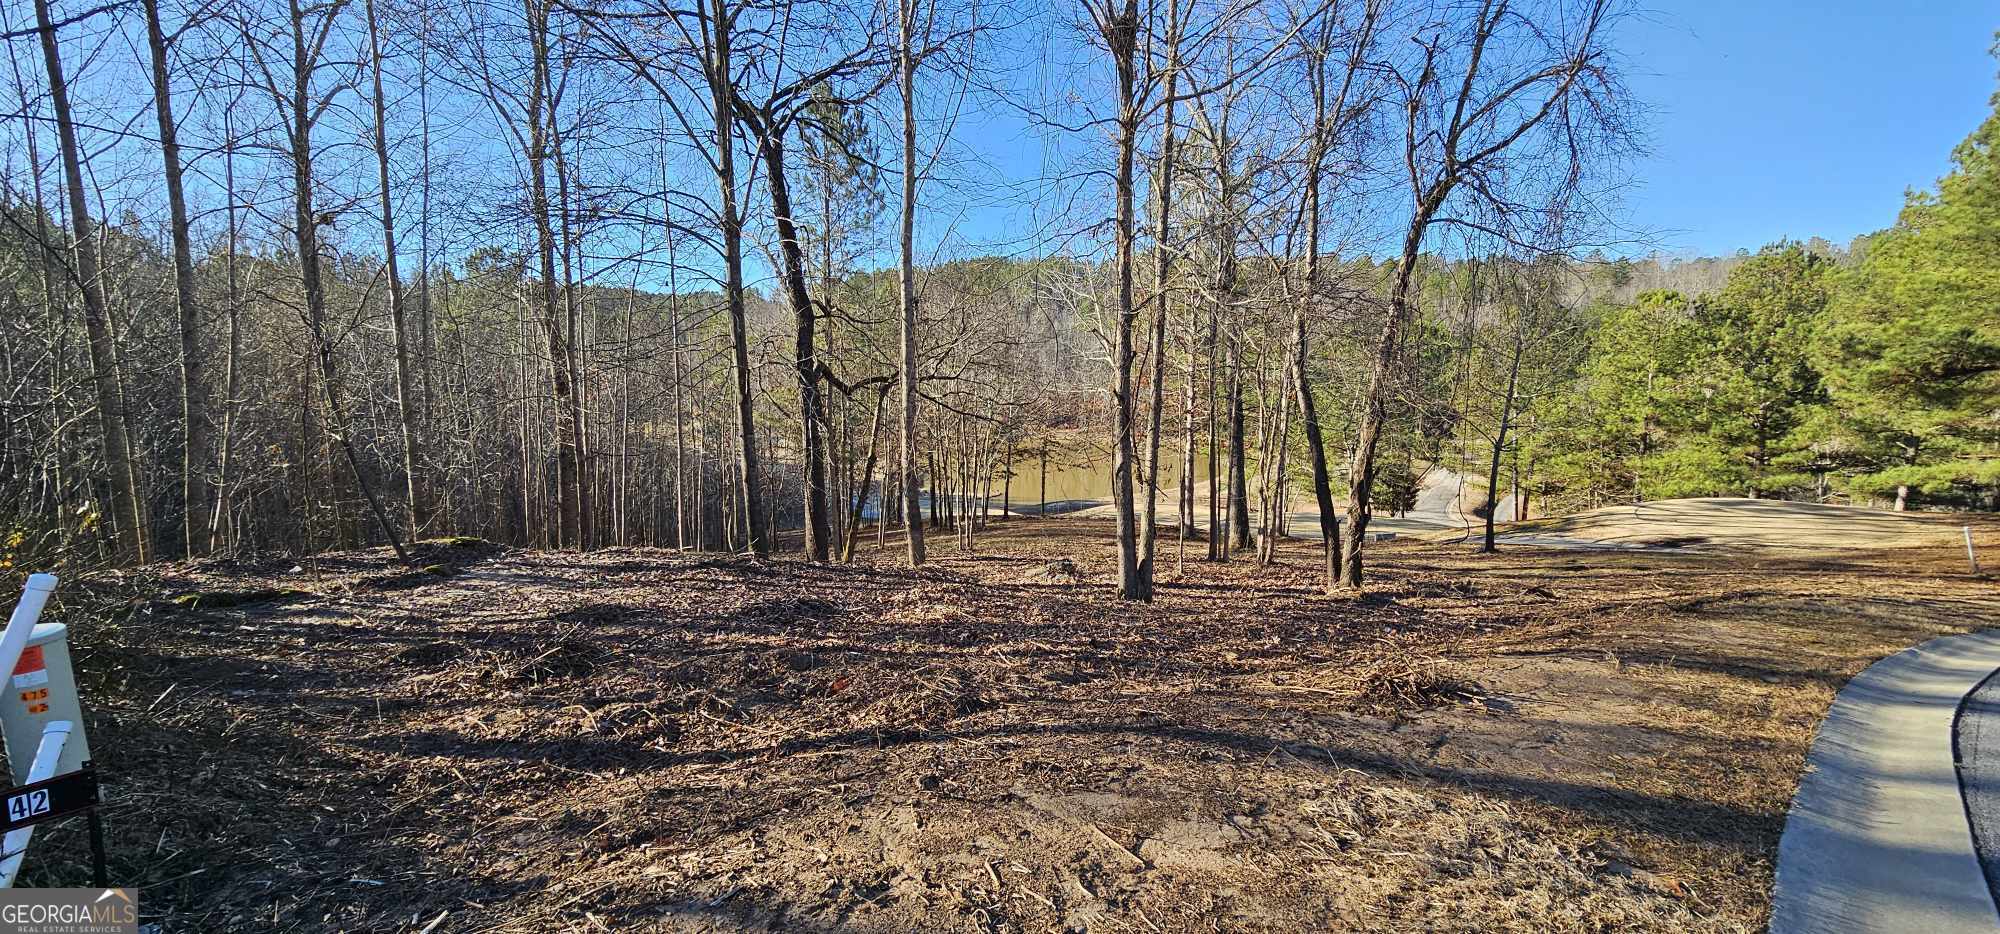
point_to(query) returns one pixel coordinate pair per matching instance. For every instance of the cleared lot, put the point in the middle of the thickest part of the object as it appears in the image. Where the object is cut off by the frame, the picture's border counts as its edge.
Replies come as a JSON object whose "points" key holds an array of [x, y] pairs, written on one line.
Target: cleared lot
{"points": [[1760, 524], [1543, 740]]}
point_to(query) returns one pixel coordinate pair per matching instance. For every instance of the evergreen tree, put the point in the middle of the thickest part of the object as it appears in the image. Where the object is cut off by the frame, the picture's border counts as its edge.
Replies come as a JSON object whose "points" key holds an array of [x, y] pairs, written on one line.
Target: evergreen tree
{"points": [[1754, 385], [1911, 351]]}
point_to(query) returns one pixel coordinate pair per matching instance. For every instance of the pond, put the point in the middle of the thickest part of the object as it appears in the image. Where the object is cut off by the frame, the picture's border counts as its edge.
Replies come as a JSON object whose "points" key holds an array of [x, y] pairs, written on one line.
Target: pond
{"points": [[1071, 487]]}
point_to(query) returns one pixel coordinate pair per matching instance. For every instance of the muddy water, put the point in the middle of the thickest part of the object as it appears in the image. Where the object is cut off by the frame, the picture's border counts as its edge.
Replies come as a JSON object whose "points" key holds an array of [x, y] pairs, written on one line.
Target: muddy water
{"points": [[1092, 482], [1445, 497], [1072, 487]]}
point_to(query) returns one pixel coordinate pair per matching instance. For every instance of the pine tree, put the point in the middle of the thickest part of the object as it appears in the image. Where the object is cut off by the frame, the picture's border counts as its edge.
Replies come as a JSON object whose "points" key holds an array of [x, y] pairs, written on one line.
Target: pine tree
{"points": [[1911, 351]]}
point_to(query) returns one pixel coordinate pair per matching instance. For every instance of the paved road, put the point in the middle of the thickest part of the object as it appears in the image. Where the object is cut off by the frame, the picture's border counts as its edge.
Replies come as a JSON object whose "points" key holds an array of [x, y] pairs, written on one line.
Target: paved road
{"points": [[1878, 839], [1979, 773]]}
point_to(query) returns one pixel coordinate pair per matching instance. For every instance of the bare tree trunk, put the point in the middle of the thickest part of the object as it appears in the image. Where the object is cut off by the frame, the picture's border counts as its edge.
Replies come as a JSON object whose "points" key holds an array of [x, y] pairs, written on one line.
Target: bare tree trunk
{"points": [[1239, 483], [196, 421], [1120, 29], [1374, 408], [1162, 265], [231, 377], [427, 407], [675, 368], [891, 513], [576, 415], [1274, 491], [1322, 481], [840, 457], [720, 74], [834, 414], [1186, 502], [622, 490], [416, 499], [305, 221], [805, 347], [906, 272], [118, 457], [530, 524], [1007, 482], [682, 529], [853, 530], [1217, 539], [569, 477], [1500, 436]]}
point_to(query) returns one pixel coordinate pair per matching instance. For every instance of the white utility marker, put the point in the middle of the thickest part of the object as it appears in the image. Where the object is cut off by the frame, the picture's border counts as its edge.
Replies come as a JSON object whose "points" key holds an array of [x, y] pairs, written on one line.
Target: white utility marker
{"points": [[42, 722]]}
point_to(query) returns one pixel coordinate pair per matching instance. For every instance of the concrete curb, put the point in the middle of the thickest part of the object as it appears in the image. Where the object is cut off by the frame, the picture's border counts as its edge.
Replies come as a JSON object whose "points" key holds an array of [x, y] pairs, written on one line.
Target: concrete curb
{"points": [[1877, 838]]}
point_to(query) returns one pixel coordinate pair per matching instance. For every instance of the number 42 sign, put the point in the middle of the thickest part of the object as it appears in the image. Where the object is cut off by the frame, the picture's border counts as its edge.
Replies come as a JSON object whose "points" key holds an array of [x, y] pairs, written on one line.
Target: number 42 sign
{"points": [[49, 799], [28, 804]]}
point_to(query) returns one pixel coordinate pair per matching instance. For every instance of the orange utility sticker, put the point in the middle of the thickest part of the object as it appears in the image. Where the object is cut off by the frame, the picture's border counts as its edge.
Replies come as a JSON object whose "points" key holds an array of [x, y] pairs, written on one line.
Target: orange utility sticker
{"points": [[31, 670]]}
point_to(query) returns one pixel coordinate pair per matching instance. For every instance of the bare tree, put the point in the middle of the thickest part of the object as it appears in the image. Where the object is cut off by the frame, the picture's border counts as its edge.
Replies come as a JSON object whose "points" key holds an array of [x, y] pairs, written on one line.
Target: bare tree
{"points": [[906, 278], [1139, 78], [197, 422], [1163, 187], [1118, 23], [569, 443], [126, 516], [769, 117], [301, 104], [417, 500], [718, 45], [1328, 124], [712, 44], [1501, 96]]}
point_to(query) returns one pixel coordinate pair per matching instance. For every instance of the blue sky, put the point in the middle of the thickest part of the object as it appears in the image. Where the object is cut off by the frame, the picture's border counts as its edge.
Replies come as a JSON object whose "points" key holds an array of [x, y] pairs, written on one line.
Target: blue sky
{"points": [[1795, 119], [1766, 119]]}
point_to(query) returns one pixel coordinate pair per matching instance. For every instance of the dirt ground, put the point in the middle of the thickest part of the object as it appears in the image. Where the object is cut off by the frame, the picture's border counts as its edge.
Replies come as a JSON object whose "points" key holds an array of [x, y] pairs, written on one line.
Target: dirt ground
{"points": [[635, 739]]}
